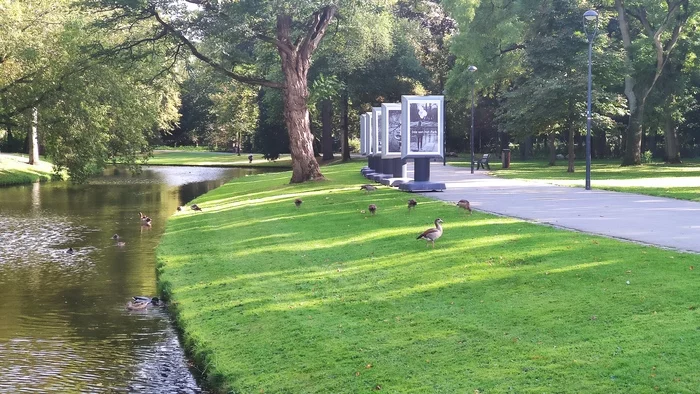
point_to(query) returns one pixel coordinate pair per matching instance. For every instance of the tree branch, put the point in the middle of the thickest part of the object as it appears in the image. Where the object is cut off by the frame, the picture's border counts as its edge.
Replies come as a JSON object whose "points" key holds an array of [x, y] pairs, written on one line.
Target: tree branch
{"points": [[206, 59], [320, 21]]}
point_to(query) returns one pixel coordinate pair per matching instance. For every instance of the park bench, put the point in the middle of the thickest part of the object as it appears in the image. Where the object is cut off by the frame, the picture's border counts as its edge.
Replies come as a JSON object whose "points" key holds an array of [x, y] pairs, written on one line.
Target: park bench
{"points": [[483, 162]]}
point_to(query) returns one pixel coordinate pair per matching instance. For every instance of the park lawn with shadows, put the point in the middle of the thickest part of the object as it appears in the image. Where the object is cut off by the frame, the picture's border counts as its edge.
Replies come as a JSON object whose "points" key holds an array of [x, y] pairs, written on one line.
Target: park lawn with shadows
{"points": [[680, 181], [14, 170], [215, 159], [327, 298]]}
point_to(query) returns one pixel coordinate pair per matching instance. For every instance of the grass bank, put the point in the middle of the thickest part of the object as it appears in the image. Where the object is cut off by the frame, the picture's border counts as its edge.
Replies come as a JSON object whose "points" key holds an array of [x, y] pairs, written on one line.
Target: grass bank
{"points": [[681, 181], [15, 170], [328, 299], [215, 159]]}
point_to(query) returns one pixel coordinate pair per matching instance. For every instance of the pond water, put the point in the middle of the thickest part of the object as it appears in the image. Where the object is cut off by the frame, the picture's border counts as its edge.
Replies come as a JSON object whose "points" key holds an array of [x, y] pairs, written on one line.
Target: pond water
{"points": [[64, 326]]}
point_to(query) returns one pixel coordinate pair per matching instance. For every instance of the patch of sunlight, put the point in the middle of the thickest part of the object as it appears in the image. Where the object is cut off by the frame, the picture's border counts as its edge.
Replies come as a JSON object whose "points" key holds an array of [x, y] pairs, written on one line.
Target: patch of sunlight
{"points": [[581, 266], [219, 205], [637, 182]]}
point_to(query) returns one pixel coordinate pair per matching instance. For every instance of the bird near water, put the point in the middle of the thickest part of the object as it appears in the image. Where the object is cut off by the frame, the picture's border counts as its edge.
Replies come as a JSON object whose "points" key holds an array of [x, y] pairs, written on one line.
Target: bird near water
{"points": [[70, 251], [432, 234], [145, 220], [116, 236], [142, 302]]}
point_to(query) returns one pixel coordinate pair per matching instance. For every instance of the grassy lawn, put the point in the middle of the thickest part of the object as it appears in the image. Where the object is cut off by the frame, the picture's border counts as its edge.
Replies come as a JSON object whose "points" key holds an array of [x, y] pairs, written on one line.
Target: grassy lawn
{"points": [[680, 181], [328, 299], [14, 169], [222, 159]]}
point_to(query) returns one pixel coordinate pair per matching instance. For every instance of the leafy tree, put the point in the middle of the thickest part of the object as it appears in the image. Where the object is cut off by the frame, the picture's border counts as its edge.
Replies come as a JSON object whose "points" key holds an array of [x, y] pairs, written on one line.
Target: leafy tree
{"points": [[233, 33], [92, 106], [650, 31]]}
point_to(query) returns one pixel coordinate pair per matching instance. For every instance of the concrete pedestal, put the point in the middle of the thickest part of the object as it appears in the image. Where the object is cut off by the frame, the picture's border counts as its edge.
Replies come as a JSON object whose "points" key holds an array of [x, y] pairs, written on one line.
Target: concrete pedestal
{"points": [[421, 176]]}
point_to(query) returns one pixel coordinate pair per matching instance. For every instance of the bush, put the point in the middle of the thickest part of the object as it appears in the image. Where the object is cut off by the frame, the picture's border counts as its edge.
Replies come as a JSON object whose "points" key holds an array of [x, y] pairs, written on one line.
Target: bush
{"points": [[647, 157]]}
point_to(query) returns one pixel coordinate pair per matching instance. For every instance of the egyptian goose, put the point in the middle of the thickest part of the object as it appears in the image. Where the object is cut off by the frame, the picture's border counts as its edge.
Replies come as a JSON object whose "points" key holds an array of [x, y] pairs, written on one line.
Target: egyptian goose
{"points": [[195, 207], [432, 234], [368, 188], [412, 204], [372, 208], [464, 204], [145, 219], [179, 209]]}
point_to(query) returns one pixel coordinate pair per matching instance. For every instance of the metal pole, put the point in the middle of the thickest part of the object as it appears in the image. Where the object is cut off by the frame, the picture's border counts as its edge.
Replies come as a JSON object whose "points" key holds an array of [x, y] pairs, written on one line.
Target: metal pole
{"points": [[588, 120], [471, 138]]}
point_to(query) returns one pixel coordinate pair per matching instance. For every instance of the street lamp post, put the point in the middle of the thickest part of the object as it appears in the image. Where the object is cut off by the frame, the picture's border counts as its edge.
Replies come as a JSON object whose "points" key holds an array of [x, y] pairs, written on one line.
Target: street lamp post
{"points": [[472, 69], [590, 26]]}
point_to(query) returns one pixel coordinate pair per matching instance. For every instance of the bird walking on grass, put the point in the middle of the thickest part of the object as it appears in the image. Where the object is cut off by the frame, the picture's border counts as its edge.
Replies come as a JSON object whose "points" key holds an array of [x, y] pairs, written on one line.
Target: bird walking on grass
{"points": [[368, 188], [431, 234], [298, 202], [412, 204], [464, 204], [195, 207], [372, 208]]}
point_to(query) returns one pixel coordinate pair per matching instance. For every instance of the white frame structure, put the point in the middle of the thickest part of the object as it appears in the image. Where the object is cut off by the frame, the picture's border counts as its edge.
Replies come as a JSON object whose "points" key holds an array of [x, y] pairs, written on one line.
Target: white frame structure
{"points": [[377, 130], [435, 137], [363, 136], [387, 109], [370, 134]]}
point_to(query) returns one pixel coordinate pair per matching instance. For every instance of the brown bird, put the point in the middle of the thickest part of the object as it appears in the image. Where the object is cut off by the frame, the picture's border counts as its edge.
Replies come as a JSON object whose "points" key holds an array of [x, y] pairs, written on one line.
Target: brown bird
{"points": [[432, 234], [115, 236], [121, 244], [145, 220], [179, 209], [412, 204], [298, 202], [368, 188], [464, 204], [372, 208], [195, 207]]}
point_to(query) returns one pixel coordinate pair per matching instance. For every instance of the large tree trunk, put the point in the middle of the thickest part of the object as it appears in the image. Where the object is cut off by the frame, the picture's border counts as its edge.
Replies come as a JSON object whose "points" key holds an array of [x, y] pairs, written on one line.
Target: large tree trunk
{"points": [[672, 152], [551, 138], [346, 127], [633, 138], [327, 126], [296, 60], [34, 138]]}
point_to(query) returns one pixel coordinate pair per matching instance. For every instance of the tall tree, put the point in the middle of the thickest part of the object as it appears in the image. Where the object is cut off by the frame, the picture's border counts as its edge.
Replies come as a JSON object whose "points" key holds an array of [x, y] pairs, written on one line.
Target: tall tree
{"points": [[650, 30], [229, 33]]}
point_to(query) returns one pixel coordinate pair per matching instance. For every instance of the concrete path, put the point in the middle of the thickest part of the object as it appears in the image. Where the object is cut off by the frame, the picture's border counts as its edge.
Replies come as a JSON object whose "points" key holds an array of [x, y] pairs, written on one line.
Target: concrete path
{"points": [[656, 221]]}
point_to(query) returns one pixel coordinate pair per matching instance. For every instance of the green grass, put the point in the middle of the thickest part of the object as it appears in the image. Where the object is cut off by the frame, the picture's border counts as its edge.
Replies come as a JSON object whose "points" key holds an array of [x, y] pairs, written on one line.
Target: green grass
{"points": [[327, 299], [681, 181], [219, 159], [14, 170]]}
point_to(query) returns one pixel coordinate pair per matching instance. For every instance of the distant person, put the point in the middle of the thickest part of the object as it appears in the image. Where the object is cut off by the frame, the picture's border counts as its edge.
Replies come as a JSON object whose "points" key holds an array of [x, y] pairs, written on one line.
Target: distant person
{"points": [[250, 158]]}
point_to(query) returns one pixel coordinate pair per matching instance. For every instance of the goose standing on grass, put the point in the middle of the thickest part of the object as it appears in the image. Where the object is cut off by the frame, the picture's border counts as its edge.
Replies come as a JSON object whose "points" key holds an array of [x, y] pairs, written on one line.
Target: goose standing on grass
{"points": [[464, 204], [195, 207], [298, 202], [412, 204], [372, 208], [432, 234], [368, 188]]}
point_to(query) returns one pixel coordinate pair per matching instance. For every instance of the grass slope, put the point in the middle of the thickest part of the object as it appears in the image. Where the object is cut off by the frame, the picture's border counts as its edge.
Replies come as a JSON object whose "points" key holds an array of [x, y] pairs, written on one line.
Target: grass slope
{"points": [[327, 299], [14, 169], [220, 159]]}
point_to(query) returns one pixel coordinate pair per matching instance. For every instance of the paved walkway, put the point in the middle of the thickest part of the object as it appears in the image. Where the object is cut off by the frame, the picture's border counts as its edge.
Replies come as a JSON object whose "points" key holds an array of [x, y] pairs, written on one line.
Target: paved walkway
{"points": [[651, 220]]}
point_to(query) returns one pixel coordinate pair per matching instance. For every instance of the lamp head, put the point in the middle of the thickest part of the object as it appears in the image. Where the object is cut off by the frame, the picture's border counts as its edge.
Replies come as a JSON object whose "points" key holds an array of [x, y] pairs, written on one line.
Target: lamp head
{"points": [[590, 15], [471, 69]]}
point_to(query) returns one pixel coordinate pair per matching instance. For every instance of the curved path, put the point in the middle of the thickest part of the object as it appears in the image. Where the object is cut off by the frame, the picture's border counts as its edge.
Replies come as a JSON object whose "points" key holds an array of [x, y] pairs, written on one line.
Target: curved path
{"points": [[651, 220]]}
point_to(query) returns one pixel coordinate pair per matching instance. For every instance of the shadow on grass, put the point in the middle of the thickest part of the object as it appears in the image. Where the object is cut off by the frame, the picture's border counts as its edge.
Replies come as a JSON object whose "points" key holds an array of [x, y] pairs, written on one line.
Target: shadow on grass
{"points": [[338, 301]]}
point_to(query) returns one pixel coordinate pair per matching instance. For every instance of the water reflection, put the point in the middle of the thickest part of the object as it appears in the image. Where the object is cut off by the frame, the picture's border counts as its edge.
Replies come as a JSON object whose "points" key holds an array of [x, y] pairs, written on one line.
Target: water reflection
{"points": [[64, 327]]}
